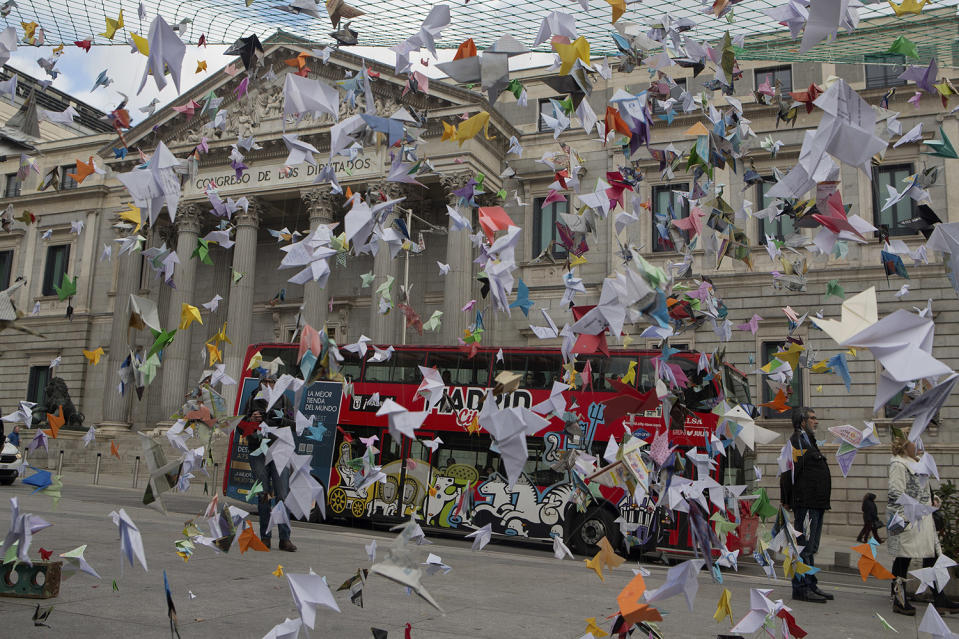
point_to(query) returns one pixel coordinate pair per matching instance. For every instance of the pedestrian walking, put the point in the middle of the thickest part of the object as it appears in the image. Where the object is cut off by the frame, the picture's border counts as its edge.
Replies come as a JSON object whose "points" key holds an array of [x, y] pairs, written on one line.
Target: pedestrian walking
{"points": [[805, 491], [870, 520], [913, 539], [275, 481]]}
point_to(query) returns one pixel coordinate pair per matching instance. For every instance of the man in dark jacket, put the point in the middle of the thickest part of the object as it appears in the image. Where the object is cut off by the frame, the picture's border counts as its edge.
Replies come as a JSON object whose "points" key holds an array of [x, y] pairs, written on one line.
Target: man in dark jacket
{"points": [[275, 482], [805, 490]]}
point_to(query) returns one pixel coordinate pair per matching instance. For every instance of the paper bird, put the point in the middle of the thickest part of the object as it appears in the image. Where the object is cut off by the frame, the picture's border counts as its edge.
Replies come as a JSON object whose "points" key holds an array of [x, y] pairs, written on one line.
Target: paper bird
{"points": [[723, 609], [93, 357], [680, 579], [937, 576], [75, 562], [112, 26], [908, 6], [188, 315], [481, 537], [869, 562], [942, 148], [131, 543]]}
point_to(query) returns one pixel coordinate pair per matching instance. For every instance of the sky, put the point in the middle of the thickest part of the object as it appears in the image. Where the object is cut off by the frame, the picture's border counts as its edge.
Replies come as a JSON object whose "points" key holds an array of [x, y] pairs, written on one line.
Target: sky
{"points": [[79, 69]]}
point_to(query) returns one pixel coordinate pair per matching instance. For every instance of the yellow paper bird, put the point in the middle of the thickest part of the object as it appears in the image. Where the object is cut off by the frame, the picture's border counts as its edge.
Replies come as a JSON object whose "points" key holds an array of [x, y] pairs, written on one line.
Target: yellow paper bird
{"points": [[908, 6], [576, 260], [279, 571], [570, 374], [596, 565], [112, 26], [255, 361], [627, 340], [618, 7], [216, 355], [29, 31], [791, 355], [141, 43], [594, 629], [468, 129], [58, 50], [569, 53], [821, 366], [449, 132], [630, 376], [723, 609], [132, 215], [188, 315], [200, 65], [473, 427], [93, 357]]}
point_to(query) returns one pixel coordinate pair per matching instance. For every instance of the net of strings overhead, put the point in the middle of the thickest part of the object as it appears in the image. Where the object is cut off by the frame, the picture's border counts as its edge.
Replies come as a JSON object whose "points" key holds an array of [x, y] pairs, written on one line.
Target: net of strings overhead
{"points": [[384, 23]]}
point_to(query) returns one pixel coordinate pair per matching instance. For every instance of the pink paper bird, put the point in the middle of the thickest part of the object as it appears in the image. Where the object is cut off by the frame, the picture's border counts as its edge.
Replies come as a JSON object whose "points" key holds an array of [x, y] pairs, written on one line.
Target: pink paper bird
{"points": [[752, 325]]}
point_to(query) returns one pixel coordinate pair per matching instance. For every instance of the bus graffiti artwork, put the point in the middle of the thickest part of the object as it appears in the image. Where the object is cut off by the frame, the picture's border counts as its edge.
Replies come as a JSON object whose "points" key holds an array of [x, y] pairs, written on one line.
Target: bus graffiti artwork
{"points": [[451, 475]]}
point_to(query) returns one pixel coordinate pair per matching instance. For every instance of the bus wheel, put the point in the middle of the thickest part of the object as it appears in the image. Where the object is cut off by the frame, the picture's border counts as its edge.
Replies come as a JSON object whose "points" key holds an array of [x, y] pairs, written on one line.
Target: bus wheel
{"points": [[337, 500], [591, 528], [358, 507]]}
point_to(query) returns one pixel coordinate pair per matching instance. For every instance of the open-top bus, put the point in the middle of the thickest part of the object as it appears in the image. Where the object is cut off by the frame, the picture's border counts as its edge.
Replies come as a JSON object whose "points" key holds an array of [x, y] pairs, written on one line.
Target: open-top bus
{"points": [[461, 485]]}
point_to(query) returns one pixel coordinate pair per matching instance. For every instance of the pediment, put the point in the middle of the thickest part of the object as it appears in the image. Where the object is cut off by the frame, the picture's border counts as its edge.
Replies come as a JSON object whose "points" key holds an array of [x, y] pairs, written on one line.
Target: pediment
{"points": [[260, 111]]}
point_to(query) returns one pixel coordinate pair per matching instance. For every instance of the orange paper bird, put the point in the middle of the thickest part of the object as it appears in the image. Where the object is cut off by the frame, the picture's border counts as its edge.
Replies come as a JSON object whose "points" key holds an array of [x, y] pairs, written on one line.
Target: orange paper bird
{"points": [[807, 97], [299, 61], [869, 565], [615, 122], [778, 403], [248, 540], [55, 422], [618, 7], [114, 450], [466, 49], [631, 608], [200, 66], [608, 556], [83, 170]]}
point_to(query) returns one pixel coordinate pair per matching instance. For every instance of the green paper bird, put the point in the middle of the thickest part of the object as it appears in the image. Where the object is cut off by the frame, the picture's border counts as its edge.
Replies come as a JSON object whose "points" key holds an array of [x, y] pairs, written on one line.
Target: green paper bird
{"points": [[161, 339], [904, 46], [367, 279], [833, 288], [237, 276], [116, 588], [68, 288], [761, 505], [202, 251], [516, 88], [255, 489], [941, 148]]}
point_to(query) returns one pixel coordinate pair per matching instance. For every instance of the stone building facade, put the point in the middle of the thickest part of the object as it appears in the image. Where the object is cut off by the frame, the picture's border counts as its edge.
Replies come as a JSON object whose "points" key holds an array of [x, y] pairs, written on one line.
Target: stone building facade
{"points": [[261, 306]]}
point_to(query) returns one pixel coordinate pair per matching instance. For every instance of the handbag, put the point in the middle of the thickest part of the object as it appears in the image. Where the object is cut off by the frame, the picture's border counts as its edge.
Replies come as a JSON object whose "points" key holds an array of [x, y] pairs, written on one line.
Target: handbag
{"points": [[939, 519]]}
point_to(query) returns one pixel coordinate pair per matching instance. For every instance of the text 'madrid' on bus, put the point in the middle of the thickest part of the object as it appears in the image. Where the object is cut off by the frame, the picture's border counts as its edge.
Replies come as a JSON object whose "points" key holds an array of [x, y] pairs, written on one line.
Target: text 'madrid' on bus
{"points": [[462, 485]]}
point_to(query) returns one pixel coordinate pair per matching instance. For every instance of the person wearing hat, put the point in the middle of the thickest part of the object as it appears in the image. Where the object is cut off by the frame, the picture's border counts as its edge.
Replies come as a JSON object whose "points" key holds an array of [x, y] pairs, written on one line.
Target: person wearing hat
{"points": [[275, 482]]}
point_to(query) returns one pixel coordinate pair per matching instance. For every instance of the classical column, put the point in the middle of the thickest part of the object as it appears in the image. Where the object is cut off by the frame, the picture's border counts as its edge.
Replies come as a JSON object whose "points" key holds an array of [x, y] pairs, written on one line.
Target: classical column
{"points": [[239, 314], [385, 329], [458, 283], [176, 356], [320, 204], [116, 407]]}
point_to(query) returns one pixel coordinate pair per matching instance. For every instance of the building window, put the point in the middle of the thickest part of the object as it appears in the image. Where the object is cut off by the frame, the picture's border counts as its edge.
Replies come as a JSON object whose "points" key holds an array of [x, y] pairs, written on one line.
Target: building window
{"points": [[883, 70], [12, 186], [902, 211], [783, 75], [546, 108], [794, 391], [6, 267], [778, 228], [545, 232], [668, 205], [58, 259], [37, 384], [674, 92], [67, 182]]}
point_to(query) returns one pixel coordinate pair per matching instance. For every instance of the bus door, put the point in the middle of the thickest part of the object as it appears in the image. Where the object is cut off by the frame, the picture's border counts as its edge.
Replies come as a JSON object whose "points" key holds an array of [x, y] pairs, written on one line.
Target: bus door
{"points": [[345, 498], [406, 464]]}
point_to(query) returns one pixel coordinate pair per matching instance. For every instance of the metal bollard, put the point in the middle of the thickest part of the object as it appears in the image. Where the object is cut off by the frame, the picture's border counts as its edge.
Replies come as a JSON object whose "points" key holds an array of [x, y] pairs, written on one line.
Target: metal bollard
{"points": [[136, 470], [96, 470], [216, 472], [60, 463]]}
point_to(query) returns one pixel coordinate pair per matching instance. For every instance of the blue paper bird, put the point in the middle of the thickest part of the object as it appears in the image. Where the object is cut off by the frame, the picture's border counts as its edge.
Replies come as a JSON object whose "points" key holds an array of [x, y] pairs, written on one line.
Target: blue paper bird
{"points": [[119, 154], [839, 366], [893, 265], [401, 226], [522, 302], [41, 479], [316, 432], [102, 80]]}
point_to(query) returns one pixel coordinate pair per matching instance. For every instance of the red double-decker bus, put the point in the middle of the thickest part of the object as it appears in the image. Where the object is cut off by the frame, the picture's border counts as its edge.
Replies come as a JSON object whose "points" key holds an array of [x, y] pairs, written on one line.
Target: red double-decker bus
{"points": [[461, 485]]}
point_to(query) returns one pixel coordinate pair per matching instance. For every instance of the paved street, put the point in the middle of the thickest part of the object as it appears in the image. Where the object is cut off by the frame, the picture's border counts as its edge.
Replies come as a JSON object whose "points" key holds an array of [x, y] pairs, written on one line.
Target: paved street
{"points": [[499, 592]]}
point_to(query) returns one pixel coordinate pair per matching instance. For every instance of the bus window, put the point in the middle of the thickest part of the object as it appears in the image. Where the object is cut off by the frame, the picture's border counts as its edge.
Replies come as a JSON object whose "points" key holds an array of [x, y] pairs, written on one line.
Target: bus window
{"points": [[402, 368], [463, 450], [350, 366], [697, 395], [457, 369], [603, 368], [288, 365], [542, 370], [537, 469], [389, 449], [646, 374]]}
